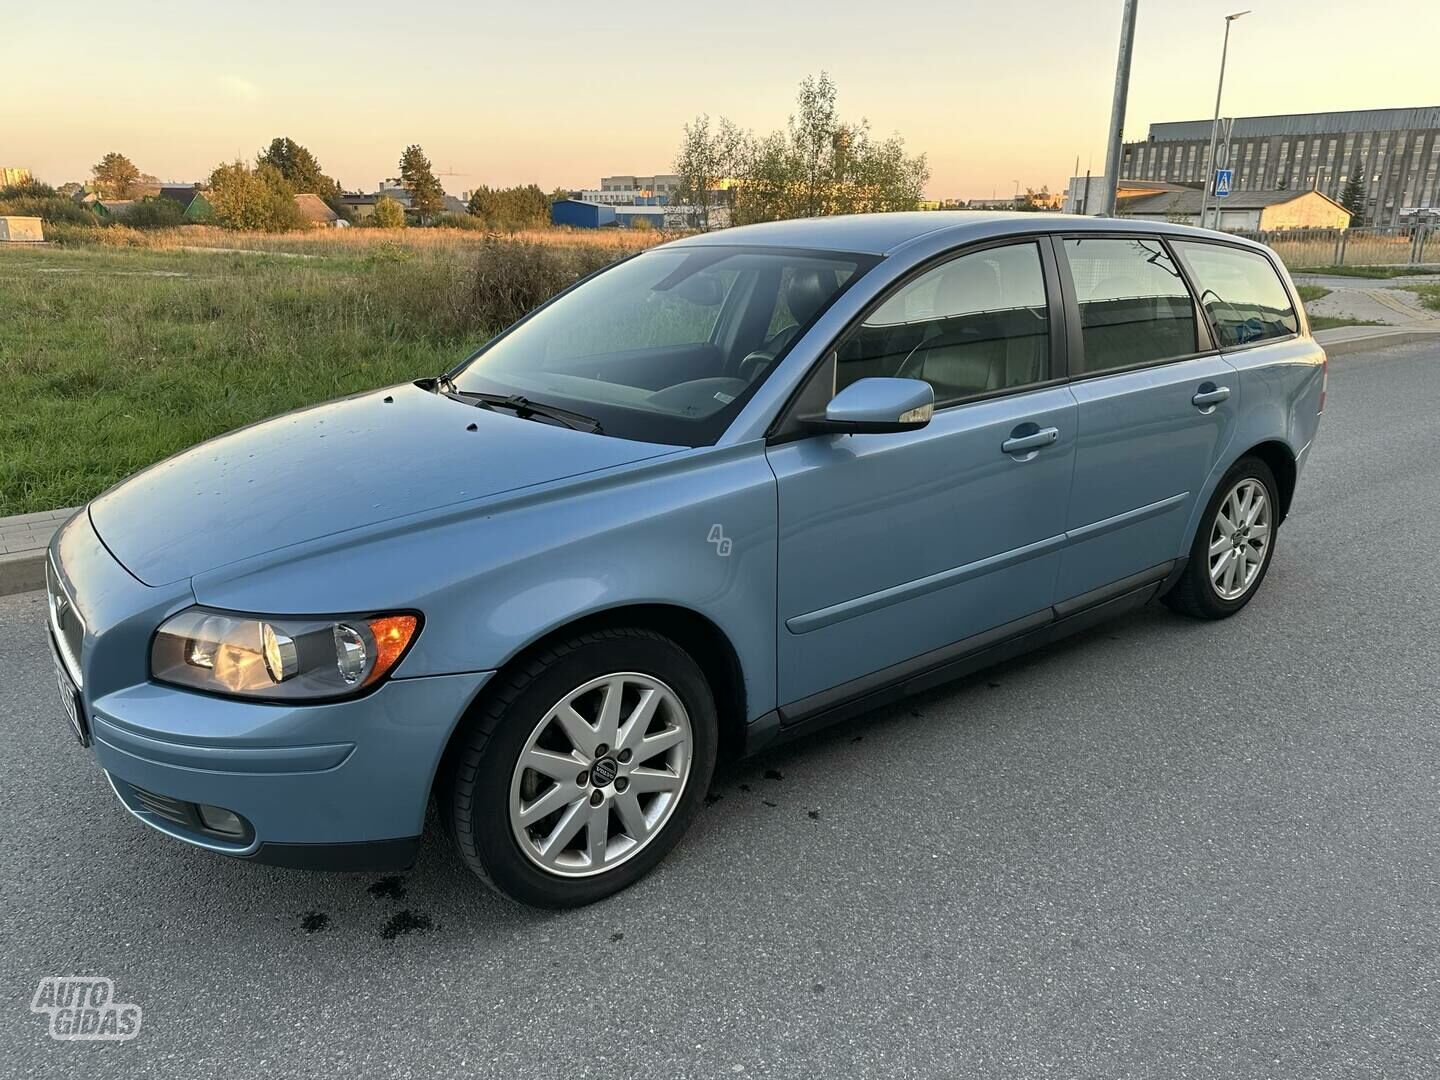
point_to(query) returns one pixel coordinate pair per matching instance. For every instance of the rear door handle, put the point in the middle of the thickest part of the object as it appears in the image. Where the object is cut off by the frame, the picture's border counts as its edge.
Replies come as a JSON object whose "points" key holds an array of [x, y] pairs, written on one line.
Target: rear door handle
{"points": [[1211, 396], [1019, 444]]}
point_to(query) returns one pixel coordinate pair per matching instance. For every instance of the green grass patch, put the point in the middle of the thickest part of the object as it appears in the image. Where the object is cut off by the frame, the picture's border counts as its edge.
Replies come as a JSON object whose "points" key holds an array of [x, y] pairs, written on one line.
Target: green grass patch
{"points": [[1310, 293], [1429, 295], [1331, 322], [111, 359], [1374, 272]]}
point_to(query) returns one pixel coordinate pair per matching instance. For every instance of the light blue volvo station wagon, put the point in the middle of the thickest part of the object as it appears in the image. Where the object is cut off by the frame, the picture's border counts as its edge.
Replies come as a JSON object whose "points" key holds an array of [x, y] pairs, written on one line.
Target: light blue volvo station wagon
{"points": [[728, 490]]}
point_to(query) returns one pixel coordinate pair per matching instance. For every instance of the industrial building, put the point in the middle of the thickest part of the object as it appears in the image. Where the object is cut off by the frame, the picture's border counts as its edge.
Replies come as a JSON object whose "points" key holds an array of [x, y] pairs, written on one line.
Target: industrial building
{"points": [[1396, 152], [619, 187], [585, 214], [581, 214]]}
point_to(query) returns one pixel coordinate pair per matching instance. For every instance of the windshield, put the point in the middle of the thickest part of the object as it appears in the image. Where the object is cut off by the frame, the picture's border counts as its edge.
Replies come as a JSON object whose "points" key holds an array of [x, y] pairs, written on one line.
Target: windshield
{"points": [[667, 346]]}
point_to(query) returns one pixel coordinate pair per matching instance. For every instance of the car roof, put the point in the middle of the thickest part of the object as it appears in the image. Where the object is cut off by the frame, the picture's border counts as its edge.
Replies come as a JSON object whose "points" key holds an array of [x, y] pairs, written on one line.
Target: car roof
{"points": [[884, 234]]}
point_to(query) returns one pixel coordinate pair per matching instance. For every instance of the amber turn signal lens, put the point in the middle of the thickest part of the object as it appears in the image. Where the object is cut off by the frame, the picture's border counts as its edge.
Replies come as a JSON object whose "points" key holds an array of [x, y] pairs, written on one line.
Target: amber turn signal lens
{"points": [[392, 634]]}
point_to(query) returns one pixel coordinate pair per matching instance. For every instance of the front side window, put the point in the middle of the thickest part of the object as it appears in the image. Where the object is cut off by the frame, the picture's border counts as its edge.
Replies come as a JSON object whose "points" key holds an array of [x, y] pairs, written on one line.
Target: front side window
{"points": [[667, 346], [1134, 307], [1240, 292], [971, 326]]}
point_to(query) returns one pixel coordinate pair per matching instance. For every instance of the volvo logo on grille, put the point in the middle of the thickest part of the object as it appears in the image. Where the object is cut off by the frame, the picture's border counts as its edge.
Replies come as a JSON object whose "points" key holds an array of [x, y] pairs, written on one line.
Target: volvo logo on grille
{"points": [[603, 771]]}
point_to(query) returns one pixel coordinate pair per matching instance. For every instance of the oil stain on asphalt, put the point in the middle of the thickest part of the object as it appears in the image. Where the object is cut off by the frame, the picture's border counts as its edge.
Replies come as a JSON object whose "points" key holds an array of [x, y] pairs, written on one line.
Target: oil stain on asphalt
{"points": [[388, 888], [406, 922]]}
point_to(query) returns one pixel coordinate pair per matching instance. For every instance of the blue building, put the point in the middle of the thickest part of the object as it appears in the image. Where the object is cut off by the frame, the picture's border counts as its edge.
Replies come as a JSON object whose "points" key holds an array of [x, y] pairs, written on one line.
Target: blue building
{"points": [[581, 215]]}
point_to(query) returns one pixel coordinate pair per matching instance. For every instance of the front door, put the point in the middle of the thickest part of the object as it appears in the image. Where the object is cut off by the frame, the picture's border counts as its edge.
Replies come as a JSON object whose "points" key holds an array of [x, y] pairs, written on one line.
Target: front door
{"points": [[895, 545]]}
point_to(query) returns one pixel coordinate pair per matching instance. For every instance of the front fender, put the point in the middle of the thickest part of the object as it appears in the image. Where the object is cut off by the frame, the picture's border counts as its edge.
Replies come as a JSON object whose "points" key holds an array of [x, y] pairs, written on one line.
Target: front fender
{"points": [[695, 530]]}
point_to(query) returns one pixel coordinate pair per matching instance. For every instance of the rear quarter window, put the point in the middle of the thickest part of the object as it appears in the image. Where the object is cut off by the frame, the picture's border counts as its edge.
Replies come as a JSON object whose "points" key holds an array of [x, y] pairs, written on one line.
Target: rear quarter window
{"points": [[1240, 292]]}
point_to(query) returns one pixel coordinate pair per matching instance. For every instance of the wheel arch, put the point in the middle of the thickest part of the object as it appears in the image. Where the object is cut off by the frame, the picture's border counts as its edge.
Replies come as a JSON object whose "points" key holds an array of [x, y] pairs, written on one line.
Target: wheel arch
{"points": [[1281, 461], [699, 636]]}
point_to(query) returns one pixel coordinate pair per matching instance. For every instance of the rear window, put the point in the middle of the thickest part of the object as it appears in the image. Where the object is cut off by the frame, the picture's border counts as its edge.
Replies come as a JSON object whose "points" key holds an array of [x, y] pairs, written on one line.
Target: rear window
{"points": [[1134, 307], [1241, 293]]}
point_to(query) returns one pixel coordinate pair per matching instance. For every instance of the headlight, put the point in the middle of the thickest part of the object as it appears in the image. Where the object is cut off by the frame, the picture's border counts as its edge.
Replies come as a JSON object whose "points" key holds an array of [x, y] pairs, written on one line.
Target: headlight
{"points": [[278, 659]]}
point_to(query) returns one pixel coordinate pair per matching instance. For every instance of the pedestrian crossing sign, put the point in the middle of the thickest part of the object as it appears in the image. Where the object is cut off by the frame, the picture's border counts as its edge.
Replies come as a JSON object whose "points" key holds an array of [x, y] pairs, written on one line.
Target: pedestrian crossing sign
{"points": [[1223, 179]]}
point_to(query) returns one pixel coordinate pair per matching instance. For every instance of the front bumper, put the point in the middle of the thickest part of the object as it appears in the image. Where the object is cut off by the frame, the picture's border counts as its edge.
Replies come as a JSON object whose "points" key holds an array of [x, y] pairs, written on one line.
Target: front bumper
{"points": [[340, 785], [351, 775]]}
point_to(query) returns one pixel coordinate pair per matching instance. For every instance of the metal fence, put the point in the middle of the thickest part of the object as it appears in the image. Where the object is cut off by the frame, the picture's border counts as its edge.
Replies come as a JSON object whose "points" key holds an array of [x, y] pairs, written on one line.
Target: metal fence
{"points": [[1404, 245]]}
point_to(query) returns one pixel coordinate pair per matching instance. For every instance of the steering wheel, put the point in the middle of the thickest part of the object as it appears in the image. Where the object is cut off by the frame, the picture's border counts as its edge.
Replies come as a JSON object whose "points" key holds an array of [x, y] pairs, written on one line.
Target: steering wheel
{"points": [[755, 364]]}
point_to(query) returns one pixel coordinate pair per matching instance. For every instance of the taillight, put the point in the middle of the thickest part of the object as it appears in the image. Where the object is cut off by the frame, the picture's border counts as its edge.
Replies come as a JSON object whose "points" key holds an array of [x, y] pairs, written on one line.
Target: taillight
{"points": [[1324, 382]]}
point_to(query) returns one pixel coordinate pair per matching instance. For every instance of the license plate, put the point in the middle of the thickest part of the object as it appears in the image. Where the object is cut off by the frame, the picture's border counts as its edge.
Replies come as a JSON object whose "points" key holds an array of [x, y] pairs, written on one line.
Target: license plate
{"points": [[70, 699]]}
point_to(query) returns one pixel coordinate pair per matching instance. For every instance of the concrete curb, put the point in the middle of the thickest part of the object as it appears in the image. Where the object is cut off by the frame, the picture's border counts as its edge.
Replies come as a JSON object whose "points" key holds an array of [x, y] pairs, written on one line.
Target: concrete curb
{"points": [[24, 569], [23, 540], [1343, 340], [22, 572]]}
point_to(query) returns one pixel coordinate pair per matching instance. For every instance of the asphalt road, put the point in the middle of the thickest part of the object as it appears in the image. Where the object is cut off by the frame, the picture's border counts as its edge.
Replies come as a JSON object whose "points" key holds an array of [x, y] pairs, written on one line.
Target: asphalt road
{"points": [[1165, 848]]}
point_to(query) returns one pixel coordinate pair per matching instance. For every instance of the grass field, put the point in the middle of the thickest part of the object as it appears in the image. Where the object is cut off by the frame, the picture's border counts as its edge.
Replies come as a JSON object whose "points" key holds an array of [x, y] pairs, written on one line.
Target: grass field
{"points": [[112, 358], [1375, 272]]}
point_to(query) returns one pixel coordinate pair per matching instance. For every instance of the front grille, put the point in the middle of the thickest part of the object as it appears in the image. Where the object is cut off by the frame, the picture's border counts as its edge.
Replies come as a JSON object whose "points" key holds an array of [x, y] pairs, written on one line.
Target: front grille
{"points": [[174, 811], [65, 622]]}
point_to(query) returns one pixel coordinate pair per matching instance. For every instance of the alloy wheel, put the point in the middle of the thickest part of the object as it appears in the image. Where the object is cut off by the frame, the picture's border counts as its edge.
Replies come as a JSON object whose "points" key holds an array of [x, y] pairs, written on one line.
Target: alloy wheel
{"points": [[601, 774], [1239, 539]]}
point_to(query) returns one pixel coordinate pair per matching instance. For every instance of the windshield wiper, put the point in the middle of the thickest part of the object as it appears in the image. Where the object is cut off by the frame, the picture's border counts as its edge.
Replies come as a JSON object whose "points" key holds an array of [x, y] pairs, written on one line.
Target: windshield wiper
{"points": [[524, 408]]}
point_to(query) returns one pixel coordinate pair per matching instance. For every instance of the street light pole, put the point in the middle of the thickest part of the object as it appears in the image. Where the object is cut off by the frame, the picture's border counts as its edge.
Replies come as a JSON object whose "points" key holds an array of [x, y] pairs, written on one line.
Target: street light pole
{"points": [[1215, 127], [1117, 109]]}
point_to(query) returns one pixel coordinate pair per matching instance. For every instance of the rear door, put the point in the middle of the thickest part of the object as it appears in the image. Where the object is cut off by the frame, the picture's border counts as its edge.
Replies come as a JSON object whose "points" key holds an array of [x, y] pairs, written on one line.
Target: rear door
{"points": [[1157, 407]]}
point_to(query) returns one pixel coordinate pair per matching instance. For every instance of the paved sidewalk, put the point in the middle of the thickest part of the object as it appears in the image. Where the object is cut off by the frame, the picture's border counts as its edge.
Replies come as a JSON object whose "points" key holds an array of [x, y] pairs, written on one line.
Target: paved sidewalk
{"points": [[23, 539]]}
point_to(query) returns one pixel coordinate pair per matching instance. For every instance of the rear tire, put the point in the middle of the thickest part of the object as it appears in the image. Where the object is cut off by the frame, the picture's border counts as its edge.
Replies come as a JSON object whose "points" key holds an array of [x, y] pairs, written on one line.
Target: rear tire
{"points": [[610, 805], [1230, 558]]}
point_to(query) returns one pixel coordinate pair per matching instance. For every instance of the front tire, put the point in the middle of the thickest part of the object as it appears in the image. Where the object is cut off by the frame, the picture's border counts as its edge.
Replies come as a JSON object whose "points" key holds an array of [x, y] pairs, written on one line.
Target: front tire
{"points": [[1233, 544], [582, 769]]}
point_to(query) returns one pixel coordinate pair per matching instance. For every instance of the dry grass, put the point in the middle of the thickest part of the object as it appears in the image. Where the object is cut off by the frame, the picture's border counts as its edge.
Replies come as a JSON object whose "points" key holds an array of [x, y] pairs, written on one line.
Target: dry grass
{"points": [[355, 241]]}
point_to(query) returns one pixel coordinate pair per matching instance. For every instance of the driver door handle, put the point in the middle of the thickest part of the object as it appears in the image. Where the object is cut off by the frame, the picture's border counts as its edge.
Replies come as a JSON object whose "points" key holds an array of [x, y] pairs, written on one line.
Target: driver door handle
{"points": [[1021, 443], [1203, 399]]}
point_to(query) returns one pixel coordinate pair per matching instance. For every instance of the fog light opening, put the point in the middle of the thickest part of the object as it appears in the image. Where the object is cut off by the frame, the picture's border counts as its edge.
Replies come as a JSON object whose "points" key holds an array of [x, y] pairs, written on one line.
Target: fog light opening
{"points": [[222, 822]]}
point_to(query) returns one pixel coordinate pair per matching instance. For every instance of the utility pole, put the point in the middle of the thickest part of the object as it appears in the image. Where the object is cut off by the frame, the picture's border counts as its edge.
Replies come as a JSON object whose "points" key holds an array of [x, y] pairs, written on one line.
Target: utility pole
{"points": [[1215, 127], [1117, 109]]}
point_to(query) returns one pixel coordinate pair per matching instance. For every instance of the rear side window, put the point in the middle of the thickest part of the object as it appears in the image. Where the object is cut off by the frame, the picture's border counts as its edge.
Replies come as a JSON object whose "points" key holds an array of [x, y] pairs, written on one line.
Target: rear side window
{"points": [[1240, 292], [975, 325], [1134, 307]]}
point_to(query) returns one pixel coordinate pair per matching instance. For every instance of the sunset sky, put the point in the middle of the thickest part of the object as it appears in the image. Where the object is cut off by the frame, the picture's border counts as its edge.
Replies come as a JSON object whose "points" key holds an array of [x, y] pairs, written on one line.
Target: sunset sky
{"points": [[560, 93]]}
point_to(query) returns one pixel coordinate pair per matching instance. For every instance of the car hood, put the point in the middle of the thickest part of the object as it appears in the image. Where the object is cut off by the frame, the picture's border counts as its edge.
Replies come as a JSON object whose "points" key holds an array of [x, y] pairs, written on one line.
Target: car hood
{"points": [[330, 468]]}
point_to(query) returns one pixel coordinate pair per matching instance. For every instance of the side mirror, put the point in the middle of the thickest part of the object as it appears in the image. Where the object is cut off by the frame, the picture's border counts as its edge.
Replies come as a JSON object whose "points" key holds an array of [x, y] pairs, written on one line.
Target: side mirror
{"points": [[875, 406]]}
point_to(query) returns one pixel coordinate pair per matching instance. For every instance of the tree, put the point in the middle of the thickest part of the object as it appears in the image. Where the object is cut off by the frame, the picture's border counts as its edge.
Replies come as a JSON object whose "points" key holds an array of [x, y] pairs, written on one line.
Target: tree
{"points": [[706, 161], [427, 197], [259, 198], [115, 176], [525, 207], [299, 167], [1353, 196], [818, 165], [155, 212], [389, 214]]}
